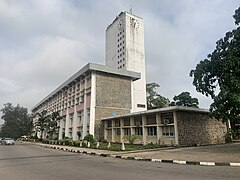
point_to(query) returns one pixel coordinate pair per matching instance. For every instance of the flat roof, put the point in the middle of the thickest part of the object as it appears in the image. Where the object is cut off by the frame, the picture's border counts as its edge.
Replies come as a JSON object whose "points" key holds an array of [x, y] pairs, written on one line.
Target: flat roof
{"points": [[91, 67], [152, 111]]}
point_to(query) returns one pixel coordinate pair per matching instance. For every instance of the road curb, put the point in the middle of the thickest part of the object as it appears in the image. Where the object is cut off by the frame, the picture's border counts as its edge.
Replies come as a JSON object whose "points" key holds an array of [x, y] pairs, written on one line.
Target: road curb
{"points": [[180, 162]]}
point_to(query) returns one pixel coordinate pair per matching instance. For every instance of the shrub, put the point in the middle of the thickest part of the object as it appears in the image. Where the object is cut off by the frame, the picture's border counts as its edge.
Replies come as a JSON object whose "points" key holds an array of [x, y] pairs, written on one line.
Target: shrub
{"points": [[79, 134], [104, 141], [228, 137], [131, 138], [89, 138]]}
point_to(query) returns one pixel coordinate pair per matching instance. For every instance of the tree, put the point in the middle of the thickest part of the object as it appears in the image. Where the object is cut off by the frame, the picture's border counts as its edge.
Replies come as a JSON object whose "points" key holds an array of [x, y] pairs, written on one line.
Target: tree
{"points": [[42, 122], [218, 76], [52, 123], [184, 99], [155, 100], [17, 121]]}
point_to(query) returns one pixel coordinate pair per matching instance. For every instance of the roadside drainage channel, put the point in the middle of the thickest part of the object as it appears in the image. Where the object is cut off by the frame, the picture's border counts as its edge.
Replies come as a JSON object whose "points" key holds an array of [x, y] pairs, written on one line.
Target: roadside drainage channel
{"points": [[144, 159]]}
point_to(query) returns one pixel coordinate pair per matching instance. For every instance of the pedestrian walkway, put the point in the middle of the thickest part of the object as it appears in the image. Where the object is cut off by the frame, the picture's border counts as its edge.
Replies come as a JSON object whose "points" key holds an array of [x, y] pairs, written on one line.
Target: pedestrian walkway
{"points": [[215, 155]]}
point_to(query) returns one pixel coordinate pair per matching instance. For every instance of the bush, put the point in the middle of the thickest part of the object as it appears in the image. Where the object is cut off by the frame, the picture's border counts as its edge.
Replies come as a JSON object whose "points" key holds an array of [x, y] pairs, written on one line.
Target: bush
{"points": [[104, 141], [228, 137], [76, 143], [131, 138], [89, 138]]}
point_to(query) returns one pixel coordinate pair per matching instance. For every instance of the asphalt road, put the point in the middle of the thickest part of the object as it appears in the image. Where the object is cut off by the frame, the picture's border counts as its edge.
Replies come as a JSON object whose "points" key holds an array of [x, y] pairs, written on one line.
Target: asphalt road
{"points": [[29, 162]]}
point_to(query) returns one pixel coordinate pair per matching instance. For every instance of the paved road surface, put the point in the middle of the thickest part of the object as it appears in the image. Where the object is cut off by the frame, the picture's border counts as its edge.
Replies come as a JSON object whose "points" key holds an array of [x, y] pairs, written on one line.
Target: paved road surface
{"points": [[29, 162]]}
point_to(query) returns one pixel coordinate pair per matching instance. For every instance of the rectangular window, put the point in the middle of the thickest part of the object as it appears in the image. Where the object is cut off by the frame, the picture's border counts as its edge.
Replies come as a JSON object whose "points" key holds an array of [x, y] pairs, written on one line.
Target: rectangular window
{"points": [[77, 100], [126, 122], [152, 131], [82, 99], [117, 123], [167, 118], [118, 132], [89, 93], [151, 119], [109, 132], [80, 117], [109, 123], [138, 120], [71, 120], [78, 85], [138, 131], [127, 131], [141, 105], [168, 130]]}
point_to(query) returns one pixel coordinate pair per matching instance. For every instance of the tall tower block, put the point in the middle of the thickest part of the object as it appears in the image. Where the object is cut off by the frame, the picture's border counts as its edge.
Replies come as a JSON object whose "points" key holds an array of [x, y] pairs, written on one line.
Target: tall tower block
{"points": [[125, 51]]}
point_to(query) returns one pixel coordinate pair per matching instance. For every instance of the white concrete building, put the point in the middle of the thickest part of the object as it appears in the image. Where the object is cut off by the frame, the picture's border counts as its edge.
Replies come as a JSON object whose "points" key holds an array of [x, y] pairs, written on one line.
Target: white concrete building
{"points": [[125, 51], [98, 91], [94, 92]]}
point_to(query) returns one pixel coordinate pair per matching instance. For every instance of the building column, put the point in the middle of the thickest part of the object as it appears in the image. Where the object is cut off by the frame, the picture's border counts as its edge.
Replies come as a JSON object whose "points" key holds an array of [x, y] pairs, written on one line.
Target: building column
{"points": [[131, 124], [84, 111], [75, 121], [159, 128], [104, 129], [144, 129], [67, 123], [93, 105], [60, 129], [175, 128], [113, 134], [122, 132]]}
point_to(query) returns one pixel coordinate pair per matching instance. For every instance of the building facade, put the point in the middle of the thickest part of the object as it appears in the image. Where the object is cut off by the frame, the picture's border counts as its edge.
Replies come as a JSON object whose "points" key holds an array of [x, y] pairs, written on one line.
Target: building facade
{"points": [[180, 126], [98, 91], [94, 92], [125, 50]]}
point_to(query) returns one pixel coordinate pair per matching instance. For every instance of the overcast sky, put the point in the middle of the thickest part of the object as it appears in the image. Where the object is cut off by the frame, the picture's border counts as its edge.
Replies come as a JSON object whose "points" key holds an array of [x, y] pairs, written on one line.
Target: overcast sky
{"points": [[42, 43]]}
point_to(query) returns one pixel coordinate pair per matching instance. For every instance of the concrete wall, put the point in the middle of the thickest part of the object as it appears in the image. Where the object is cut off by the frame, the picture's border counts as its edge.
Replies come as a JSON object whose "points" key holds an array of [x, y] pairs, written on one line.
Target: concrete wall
{"points": [[125, 50], [113, 97], [199, 129]]}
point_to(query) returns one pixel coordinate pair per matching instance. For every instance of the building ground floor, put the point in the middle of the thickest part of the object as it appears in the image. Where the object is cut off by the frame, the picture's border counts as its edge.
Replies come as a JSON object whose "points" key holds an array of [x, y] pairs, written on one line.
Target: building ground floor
{"points": [[180, 126]]}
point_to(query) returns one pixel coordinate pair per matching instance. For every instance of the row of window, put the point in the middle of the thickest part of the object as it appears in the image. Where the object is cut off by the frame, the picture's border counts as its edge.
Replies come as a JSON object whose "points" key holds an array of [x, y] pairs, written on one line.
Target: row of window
{"points": [[151, 131], [53, 101], [68, 104], [166, 118], [121, 49], [80, 116]]}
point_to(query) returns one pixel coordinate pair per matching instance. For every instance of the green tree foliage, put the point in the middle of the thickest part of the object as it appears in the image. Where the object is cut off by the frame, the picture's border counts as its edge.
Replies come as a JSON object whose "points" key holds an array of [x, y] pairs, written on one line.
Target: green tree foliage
{"points": [[89, 138], [47, 122], [184, 99], [155, 100], [42, 122], [218, 76], [17, 121], [52, 123]]}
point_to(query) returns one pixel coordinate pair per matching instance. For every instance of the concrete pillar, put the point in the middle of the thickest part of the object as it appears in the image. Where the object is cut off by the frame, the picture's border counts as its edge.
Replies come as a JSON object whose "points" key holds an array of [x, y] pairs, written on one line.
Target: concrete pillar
{"points": [[144, 129], [104, 129], [75, 121], [159, 128], [67, 123], [121, 129], [175, 128], [123, 146], [97, 145], [84, 109], [93, 105], [131, 125], [109, 145]]}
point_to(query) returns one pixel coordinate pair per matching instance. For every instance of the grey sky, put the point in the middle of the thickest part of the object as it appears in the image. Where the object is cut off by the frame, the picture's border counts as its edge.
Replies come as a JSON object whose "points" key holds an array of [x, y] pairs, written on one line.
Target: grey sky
{"points": [[44, 42]]}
